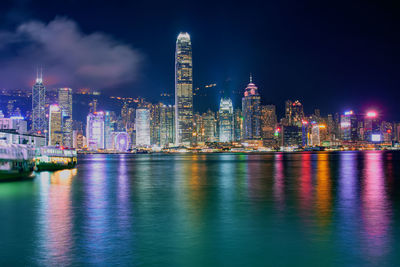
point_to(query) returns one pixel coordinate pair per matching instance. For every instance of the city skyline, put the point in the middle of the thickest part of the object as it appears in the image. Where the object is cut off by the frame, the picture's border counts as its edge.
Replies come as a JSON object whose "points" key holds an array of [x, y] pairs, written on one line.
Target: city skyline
{"points": [[289, 56]]}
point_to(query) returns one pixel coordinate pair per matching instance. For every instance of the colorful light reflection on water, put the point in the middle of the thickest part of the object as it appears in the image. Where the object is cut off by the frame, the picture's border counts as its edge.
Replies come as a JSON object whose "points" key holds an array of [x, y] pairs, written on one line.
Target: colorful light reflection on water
{"points": [[219, 209]]}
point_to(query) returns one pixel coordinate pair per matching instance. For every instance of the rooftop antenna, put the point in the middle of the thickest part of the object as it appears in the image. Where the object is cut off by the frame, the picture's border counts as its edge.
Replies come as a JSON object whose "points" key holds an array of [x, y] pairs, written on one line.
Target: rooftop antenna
{"points": [[251, 78]]}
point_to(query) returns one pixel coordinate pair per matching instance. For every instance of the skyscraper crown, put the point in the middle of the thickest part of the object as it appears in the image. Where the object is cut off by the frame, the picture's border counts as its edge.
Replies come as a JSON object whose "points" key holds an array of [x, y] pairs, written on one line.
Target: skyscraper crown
{"points": [[183, 36]]}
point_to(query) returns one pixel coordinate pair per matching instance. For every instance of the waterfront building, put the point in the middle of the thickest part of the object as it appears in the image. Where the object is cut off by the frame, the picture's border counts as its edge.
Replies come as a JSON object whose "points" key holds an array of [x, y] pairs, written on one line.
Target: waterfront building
{"points": [[55, 126], [372, 127], [95, 131], [294, 113], [209, 126], [315, 138], [142, 127], [305, 132], [331, 128], [39, 120], [349, 126], [237, 124], [11, 136], [251, 112], [387, 130], [120, 141], [198, 126], [78, 139], [17, 123], [167, 125], [268, 125], [155, 124], [65, 104], [109, 128], [292, 136], [225, 120], [183, 90], [397, 132]]}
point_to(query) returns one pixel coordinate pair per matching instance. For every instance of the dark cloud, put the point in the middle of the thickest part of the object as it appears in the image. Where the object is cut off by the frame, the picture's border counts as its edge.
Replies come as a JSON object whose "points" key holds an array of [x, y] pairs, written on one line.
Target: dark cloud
{"points": [[69, 57]]}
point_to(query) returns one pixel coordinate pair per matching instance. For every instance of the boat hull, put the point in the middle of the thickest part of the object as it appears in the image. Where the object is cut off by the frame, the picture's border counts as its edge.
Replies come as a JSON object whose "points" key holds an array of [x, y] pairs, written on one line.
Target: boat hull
{"points": [[53, 166], [7, 175]]}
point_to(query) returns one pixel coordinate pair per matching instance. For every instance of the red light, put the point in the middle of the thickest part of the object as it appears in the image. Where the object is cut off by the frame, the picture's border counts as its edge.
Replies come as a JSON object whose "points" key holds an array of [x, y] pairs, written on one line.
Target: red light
{"points": [[62, 148], [389, 131], [305, 122]]}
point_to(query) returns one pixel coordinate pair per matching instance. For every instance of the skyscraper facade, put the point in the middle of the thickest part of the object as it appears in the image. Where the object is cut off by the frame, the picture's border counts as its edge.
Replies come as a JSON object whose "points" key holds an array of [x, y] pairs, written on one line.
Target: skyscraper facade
{"points": [[55, 126], [225, 120], [155, 124], [65, 104], [237, 124], [39, 120], [183, 90], [349, 126], [268, 124], [251, 113], [294, 113], [210, 126], [142, 127], [95, 136], [167, 125]]}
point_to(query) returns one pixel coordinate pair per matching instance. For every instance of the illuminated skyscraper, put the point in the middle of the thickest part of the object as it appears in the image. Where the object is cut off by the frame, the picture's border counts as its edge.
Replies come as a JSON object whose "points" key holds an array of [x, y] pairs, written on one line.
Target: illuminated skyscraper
{"points": [[225, 120], [210, 126], [294, 113], [268, 124], [142, 127], [55, 126], [349, 126], [39, 120], [251, 112], [155, 124], [65, 104], [372, 127], [183, 90], [237, 124], [167, 126], [95, 136], [315, 135], [109, 128]]}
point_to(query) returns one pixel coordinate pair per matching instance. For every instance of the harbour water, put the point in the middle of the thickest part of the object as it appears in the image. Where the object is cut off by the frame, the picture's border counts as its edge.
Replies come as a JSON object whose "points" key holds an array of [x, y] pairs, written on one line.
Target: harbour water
{"points": [[278, 209]]}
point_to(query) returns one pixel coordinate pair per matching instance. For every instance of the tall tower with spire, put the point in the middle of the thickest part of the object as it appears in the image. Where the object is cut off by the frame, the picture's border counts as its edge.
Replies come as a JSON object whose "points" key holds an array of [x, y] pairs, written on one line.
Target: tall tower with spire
{"points": [[183, 90], [251, 102], [39, 120]]}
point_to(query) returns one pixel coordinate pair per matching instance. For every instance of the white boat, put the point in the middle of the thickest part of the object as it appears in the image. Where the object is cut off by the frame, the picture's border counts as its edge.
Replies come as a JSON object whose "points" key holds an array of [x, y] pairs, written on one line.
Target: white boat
{"points": [[56, 158]]}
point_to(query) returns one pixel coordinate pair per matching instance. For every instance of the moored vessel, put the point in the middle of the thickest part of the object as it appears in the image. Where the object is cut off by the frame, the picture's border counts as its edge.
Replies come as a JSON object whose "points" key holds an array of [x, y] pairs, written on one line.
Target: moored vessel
{"points": [[56, 158]]}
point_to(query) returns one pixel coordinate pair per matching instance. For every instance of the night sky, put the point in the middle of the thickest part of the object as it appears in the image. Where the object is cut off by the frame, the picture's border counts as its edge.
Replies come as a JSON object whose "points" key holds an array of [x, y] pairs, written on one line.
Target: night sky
{"points": [[331, 55]]}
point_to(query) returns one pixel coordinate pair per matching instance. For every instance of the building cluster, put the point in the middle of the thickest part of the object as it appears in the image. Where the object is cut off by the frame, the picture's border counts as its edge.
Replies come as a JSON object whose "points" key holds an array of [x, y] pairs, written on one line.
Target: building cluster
{"points": [[144, 125]]}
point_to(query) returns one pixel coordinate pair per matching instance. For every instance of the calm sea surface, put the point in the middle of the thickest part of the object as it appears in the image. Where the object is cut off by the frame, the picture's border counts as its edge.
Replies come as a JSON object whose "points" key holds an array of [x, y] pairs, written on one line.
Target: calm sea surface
{"points": [[300, 209]]}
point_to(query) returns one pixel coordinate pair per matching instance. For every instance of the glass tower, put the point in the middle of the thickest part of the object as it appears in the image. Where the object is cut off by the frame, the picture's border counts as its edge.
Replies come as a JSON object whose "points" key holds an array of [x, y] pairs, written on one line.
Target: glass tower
{"points": [[167, 129], [65, 104], [142, 127], [95, 131], [183, 90], [39, 120], [225, 120], [251, 112], [55, 126]]}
